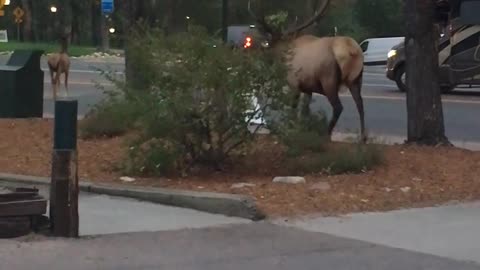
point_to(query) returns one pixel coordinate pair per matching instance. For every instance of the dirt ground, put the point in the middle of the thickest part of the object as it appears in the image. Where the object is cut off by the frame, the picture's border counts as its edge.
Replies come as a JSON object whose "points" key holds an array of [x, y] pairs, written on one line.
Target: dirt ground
{"points": [[411, 176]]}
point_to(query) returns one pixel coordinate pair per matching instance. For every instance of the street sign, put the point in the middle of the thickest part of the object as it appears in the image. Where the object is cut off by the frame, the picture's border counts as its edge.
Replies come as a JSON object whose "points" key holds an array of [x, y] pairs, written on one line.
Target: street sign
{"points": [[107, 6], [18, 13]]}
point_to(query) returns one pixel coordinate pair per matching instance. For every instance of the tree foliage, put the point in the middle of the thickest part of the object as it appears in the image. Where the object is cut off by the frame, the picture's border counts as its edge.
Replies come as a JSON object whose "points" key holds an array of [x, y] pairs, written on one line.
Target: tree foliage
{"points": [[350, 17], [196, 98], [380, 17]]}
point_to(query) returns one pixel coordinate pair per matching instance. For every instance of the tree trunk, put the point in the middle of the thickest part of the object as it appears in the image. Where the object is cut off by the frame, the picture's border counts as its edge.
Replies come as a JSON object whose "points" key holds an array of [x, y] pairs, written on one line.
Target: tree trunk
{"points": [[104, 33], [225, 20], [129, 11], [65, 12], [168, 18], [424, 104], [27, 21], [95, 17]]}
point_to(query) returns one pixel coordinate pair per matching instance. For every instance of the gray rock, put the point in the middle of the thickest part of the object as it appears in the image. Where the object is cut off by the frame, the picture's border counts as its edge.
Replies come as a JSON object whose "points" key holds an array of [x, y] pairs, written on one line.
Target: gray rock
{"points": [[289, 179], [242, 185], [321, 186]]}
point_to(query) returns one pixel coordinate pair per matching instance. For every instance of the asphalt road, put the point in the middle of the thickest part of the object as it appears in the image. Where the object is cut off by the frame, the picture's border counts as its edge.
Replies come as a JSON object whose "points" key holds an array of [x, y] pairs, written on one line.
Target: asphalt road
{"points": [[246, 246], [385, 106]]}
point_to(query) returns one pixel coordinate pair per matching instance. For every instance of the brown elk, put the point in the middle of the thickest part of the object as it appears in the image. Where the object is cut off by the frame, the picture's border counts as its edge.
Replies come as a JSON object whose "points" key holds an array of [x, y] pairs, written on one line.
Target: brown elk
{"points": [[59, 63], [319, 65]]}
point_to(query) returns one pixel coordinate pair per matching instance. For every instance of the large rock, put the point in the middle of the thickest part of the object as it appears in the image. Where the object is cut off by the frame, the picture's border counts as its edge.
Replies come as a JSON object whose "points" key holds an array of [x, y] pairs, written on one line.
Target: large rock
{"points": [[241, 185], [289, 179], [321, 186]]}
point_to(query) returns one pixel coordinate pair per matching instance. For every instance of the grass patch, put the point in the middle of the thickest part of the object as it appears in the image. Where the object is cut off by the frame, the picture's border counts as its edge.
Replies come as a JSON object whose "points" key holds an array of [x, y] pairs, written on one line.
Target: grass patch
{"points": [[340, 159], [74, 50]]}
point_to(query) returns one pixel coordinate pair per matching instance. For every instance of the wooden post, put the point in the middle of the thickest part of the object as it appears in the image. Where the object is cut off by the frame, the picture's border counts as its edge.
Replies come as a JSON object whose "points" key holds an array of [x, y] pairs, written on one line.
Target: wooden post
{"points": [[64, 186]]}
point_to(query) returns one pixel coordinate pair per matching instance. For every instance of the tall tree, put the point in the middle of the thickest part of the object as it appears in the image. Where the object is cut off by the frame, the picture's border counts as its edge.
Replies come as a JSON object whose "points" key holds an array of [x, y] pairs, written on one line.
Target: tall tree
{"points": [[424, 104], [27, 20], [388, 18]]}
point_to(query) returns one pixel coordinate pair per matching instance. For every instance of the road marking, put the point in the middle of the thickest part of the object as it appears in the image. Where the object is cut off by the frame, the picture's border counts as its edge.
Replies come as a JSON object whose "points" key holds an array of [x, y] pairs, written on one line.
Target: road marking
{"points": [[87, 71], [380, 85], [375, 74], [445, 100], [388, 139], [84, 83]]}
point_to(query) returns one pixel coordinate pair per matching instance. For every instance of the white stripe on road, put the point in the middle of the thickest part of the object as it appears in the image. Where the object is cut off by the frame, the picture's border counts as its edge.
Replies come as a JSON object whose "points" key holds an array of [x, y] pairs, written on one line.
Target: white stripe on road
{"points": [[444, 100], [375, 74], [393, 139], [84, 83], [380, 85], [87, 71]]}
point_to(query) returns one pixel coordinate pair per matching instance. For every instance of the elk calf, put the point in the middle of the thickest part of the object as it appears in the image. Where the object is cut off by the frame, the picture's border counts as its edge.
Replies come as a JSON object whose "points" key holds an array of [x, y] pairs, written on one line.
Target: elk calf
{"points": [[59, 63]]}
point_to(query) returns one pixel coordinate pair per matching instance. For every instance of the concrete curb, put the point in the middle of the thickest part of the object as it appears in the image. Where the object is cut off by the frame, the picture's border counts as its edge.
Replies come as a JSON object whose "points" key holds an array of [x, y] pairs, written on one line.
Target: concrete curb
{"points": [[216, 203]]}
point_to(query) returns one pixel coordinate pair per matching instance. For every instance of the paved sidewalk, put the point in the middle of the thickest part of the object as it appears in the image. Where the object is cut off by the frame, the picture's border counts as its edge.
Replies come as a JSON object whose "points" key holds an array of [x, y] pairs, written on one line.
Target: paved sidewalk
{"points": [[103, 214], [450, 231]]}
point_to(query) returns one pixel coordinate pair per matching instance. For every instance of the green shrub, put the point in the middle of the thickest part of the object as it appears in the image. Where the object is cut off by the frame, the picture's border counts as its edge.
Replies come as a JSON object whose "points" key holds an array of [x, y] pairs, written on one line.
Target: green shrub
{"points": [[109, 119], [197, 97], [350, 158], [309, 149], [303, 135]]}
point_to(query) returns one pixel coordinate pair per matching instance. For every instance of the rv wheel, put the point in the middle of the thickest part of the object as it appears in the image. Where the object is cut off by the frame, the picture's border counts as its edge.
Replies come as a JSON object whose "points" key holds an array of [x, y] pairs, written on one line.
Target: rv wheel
{"points": [[446, 88], [400, 78]]}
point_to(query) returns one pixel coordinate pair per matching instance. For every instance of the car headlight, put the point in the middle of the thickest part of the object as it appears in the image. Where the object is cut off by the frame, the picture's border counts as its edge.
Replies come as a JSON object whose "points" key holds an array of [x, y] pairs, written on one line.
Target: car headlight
{"points": [[392, 53]]}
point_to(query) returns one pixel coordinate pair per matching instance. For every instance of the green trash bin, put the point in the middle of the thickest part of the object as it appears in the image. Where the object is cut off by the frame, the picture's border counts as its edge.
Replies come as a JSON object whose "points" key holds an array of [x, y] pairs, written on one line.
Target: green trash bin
{"points": [[21, 85]]}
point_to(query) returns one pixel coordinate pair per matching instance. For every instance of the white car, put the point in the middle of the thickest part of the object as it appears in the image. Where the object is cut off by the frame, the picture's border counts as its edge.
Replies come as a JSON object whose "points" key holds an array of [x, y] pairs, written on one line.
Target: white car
{"points": [[375, 50]]}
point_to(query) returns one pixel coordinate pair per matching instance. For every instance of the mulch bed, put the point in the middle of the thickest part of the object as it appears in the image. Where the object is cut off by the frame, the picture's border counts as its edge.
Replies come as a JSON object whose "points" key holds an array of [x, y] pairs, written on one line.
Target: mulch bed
{"points": [[411, 176]]}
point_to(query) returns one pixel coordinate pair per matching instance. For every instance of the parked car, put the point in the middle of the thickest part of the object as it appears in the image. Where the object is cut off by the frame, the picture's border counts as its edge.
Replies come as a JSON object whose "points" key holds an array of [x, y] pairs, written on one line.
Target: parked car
{"points": [[375, 50], [459, 58]]}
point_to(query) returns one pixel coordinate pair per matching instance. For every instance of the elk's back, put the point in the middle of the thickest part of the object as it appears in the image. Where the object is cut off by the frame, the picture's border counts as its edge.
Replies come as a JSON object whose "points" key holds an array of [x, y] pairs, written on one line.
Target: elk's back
{"points": [[315, 57]]}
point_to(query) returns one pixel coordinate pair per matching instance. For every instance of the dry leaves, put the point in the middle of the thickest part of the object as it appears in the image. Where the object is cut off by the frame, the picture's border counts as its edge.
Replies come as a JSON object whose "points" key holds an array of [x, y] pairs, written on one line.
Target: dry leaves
{"points": [[432, 175]]}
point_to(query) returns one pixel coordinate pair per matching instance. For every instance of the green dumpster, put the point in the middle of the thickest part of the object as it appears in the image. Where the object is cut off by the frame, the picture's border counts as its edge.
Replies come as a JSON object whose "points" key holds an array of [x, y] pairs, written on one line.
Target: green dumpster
{"points": [[21, 85]]}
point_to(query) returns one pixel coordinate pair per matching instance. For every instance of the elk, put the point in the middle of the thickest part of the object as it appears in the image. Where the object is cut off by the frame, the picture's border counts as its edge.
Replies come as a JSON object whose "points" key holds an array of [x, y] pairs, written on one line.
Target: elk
{"points": [[319, 65], [59, 63]]}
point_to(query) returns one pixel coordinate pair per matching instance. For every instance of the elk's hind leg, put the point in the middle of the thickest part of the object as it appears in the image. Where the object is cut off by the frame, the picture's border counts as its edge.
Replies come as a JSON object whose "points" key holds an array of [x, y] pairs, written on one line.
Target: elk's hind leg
{"points": [[330, 89], [355, 89], [66, 82], [52, 77], [337, 108]]}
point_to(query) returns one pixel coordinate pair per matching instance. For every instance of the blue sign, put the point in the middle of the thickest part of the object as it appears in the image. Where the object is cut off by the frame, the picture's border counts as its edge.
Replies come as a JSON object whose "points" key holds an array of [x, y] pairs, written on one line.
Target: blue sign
{"points": [[107, 6]]}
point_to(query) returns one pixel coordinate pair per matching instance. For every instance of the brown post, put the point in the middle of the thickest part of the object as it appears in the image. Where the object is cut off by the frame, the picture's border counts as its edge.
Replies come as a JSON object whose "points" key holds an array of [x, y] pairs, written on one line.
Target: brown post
{"points": [[64, 187]]}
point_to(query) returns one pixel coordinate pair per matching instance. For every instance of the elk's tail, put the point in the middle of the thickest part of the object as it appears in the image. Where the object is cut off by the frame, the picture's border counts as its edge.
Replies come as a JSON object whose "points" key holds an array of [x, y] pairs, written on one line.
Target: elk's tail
{"points": [[349, 57]]}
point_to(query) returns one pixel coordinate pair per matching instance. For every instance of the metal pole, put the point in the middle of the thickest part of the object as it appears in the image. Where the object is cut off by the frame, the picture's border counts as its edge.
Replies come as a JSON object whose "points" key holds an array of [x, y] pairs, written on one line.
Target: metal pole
{"points": [[64, 187]]}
